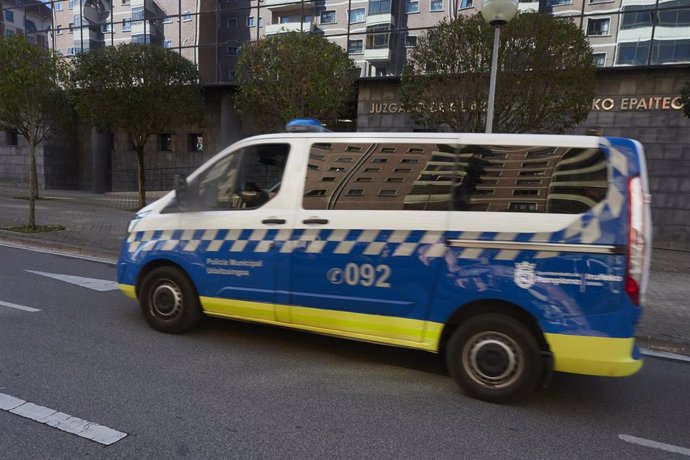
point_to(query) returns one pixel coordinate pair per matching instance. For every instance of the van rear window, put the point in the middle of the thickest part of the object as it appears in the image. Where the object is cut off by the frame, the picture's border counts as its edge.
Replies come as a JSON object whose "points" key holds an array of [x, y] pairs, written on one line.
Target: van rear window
{"points": [[462, 178]]}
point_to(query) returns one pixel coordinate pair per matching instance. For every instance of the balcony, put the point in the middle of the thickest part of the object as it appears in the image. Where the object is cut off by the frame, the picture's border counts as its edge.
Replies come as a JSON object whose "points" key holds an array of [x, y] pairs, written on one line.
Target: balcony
{"points": [[377, 55], [145, 27], [288, 5], [273, 29], [378, 19]]}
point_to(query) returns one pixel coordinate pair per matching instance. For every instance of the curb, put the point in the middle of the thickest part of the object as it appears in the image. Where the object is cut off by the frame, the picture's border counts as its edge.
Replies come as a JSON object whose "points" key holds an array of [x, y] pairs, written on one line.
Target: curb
{"points": [[21, 241], [677, 346]]}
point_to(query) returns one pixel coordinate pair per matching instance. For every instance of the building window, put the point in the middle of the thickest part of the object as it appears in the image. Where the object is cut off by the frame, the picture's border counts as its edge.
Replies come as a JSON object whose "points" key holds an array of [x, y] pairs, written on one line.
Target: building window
{"points": [[388, 192], [127, 25], [233, 50], [679, 17], [261, 21], [250, 21], [168, 20], [379, 160], [355, 192], [558, 2], [196, 142], [635, 53], [232, 23], [412, 6], [125, 2], [522, 207], [411, 41], [58, 6], [599, 59], [435, 5], [11, 137], [187, 16], [10, 32], [378, 36], [9, 16], [70, 4], [167, 44], [328, 17], [466, 4], [166, 142], [138, 13], [70, 51], [58, 30], [640, 17], [379, 7], [356, 47], [141, 38], [596, 27], [107, 27], [670, 51], [357, 15]]}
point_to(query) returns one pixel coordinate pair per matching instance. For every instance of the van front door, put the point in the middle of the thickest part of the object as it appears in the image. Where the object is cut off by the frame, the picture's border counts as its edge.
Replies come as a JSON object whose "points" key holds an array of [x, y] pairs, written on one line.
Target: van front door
{"points": [[229, 232]]}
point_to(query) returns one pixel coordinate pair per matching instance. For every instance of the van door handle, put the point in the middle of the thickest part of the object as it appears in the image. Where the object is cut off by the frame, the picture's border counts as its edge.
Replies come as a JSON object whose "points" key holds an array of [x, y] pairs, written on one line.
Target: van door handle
{"points": [[273, 220], [315, 221]]}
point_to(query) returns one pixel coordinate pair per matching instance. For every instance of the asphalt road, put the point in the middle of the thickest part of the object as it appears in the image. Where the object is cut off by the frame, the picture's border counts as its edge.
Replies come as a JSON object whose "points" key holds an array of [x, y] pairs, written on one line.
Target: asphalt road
{"points": [[237, 390]]}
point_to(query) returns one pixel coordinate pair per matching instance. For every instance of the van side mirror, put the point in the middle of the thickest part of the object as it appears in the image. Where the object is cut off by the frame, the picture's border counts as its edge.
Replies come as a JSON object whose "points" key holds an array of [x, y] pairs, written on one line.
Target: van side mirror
{"points": [[181, 190]]}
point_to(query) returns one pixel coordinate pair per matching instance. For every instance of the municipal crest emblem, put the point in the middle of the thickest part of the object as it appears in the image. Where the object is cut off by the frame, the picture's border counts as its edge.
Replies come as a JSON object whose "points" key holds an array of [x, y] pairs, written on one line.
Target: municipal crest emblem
{"points": [[524, 275]]}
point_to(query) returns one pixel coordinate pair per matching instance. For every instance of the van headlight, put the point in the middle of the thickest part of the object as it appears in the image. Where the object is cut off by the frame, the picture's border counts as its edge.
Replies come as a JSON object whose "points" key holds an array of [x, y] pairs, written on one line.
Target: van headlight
{"points": [[137, 217]]}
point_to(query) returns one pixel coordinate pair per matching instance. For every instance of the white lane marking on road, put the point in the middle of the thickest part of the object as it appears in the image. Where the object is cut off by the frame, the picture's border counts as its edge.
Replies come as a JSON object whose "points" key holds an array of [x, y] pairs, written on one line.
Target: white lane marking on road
{"points": [[90, 283], [64, 422], [654, 444], [666, 354], [18, 307]]}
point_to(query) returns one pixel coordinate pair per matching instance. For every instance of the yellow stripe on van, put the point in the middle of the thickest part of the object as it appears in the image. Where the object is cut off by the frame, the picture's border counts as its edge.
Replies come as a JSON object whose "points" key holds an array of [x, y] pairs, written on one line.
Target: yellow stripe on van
{"points": [[602, 356], [388, 330], [128, 290], [242, 309]]}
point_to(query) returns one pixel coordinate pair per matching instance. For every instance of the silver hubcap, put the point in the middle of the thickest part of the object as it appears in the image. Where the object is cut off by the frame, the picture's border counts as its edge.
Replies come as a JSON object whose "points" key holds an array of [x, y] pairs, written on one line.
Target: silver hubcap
{"points": [[166, 300], [493, 359]]}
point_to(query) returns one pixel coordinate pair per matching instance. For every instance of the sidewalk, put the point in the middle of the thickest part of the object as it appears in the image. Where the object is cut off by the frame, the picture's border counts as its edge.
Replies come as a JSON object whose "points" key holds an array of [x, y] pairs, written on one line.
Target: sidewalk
{"points": [[97, 223]]}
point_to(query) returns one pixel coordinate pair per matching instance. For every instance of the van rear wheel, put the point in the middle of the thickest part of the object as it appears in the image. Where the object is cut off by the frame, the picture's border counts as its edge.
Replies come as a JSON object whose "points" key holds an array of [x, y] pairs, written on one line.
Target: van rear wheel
{"points": [[494, 358], [169, 301]]}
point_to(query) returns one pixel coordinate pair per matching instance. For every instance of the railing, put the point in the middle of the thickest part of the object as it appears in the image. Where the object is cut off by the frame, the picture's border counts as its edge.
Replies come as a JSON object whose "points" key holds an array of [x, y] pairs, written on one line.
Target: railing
{"points": [[127, 180]]}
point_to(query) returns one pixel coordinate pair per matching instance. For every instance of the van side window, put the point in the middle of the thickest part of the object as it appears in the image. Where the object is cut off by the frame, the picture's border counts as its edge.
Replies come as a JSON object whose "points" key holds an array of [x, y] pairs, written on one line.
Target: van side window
{"points": [[529, 179], [423, 184], [244, 179]]}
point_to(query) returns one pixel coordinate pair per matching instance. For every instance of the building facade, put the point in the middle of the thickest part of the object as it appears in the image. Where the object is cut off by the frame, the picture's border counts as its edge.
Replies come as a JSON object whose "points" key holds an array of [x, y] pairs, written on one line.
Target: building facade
{"points": [[641, 47]]}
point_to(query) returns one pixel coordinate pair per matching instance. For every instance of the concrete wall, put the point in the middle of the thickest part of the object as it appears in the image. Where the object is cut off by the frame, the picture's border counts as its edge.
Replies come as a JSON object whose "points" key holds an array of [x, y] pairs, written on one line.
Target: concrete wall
{"points": [[14, 163]]}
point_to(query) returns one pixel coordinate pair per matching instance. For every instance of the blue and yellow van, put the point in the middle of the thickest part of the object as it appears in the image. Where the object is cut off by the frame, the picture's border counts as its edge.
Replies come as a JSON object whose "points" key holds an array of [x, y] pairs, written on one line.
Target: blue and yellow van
{"points": [[514, 255]]}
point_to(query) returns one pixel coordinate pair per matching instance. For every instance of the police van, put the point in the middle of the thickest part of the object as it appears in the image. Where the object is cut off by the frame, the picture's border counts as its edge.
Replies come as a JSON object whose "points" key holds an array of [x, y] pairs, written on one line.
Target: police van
{"points": [[513, 255]]}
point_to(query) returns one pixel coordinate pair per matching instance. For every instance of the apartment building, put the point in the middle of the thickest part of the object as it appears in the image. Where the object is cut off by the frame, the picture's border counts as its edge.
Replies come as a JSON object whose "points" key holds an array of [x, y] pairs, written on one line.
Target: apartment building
{"points": [[642, 49], [27, 17]]}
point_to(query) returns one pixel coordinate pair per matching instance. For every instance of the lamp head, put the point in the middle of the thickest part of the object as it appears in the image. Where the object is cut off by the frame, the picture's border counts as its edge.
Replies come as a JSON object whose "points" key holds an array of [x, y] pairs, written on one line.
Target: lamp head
{"points": [[499, 12]]}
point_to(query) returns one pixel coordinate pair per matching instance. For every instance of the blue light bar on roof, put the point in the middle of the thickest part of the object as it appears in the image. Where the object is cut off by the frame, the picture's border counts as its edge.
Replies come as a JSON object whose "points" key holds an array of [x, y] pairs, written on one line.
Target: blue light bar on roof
{"points": [[305, 125]]}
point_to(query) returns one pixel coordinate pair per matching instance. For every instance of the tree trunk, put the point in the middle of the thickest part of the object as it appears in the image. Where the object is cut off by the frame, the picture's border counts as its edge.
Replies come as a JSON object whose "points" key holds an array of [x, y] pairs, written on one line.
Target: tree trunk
{"points": [[142, 182], [33, 184]]}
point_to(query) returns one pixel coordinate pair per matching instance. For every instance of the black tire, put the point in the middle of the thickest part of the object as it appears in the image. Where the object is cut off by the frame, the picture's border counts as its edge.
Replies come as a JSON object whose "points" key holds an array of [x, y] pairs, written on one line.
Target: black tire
{"points": [[494, 358], [169, 300]]}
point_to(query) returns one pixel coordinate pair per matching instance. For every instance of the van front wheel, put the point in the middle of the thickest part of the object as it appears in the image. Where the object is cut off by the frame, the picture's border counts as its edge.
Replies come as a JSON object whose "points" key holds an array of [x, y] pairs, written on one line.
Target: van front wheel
{"points": [[169, 301], [494, 358]]}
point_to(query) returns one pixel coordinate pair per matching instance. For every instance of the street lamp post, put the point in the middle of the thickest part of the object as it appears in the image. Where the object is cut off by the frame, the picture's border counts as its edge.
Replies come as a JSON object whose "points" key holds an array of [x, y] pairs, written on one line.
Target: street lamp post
{"points": [[497, 13]]}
